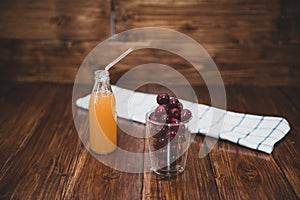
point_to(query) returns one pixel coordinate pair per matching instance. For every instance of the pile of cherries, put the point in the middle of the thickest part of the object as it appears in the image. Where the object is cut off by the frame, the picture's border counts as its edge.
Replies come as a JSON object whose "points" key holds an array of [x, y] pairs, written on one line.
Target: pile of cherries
{"points": [[169, 114], [170, 110]]}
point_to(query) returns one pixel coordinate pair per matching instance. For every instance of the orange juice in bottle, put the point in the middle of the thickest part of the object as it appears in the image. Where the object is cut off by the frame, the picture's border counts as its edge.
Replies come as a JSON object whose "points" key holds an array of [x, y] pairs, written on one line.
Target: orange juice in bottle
{"points": [[102, 117]]}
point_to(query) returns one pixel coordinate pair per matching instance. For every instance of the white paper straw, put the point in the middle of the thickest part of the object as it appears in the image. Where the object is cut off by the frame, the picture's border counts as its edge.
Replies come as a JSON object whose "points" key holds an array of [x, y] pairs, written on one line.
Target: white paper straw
{"points": [[118, 59]]}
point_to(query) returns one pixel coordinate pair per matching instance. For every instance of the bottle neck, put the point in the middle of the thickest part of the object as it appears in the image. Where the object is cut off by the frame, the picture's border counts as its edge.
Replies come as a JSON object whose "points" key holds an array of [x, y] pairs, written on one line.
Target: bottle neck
{"points": [[102, 83], [102, 86]]}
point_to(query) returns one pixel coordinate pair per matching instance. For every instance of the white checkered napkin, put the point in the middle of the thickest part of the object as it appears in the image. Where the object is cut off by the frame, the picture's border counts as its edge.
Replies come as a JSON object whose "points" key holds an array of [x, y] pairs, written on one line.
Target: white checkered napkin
{"points": [[252, 131]]}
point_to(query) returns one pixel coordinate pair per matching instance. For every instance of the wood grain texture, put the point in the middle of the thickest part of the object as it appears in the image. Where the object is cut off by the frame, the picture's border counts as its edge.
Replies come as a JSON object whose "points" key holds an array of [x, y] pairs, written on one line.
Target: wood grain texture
{"points": [[56, 20], [289, 22], [36, 177], [205, 21], [237, 65], [42, 60], [38, 39], [232, 171], [42, 156], [197, 182], [292, 94], [58, 61], [289, 149], [252, 43]]}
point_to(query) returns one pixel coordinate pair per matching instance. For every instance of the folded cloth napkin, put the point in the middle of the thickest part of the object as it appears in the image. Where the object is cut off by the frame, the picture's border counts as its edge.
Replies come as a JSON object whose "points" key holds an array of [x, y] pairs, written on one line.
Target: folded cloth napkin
{"points": [[252, 131]]}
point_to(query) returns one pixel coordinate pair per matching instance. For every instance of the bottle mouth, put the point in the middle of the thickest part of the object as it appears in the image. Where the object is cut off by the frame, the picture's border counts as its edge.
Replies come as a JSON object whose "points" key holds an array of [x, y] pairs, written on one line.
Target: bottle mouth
{"points": [[102, 74]]}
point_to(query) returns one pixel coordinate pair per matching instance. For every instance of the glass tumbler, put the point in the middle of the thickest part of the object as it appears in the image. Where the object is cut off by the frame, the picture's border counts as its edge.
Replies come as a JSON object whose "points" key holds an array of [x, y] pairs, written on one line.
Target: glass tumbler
{"points": [[168, 146]]}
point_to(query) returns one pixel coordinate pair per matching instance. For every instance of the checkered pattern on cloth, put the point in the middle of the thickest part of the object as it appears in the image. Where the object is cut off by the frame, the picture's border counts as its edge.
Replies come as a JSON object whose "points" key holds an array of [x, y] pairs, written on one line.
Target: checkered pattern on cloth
{"points": [[252, 131]]}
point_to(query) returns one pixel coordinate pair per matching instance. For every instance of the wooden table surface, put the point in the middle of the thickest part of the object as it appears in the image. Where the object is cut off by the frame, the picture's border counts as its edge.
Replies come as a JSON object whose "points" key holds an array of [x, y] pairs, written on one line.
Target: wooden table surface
{"points": [[42, 156]]}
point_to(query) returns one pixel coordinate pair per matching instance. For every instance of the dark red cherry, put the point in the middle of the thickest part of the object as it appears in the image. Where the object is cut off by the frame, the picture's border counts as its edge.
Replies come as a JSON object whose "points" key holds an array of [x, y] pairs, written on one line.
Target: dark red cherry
{"points": [[166, 107], [153, 117], [173, 102], [175, 124], [186, 114], [160, 110], [162, 98], [174, 112], [164, 118], [175, 121], [161, 132], [160, 142]]}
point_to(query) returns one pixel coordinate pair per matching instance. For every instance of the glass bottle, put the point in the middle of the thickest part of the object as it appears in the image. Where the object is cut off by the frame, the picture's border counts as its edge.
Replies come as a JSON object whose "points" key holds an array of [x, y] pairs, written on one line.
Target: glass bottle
{"points": [[102, 115]]}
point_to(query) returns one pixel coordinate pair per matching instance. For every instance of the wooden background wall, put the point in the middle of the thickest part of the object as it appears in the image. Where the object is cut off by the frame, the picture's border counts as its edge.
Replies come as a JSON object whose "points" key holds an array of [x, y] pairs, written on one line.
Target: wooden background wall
{"points": [[253, 42]]}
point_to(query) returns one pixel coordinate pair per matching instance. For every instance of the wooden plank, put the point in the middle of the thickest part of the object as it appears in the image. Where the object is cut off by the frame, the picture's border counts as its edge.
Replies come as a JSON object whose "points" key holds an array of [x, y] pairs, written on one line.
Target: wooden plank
{"points": [[56, 158], [236, 169], [191, 7], [92, 179], [22, 111], [42, 60], [213, 29], [58, 61], [8, 91], [57, 174], [292, 93], [275, 103], [259, 54], [290, 8], [52, 162], [48, 40], [39, 29], [289, 30], [289, 22], [48, 161], [31, 166], [54, 19], [244, 55], [241, 172], [260, 74], [238, 69], [205, 21]]}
